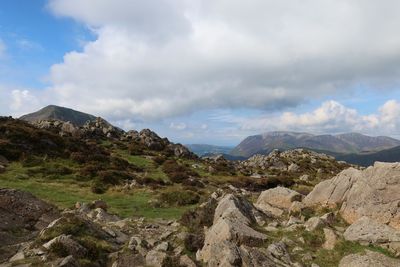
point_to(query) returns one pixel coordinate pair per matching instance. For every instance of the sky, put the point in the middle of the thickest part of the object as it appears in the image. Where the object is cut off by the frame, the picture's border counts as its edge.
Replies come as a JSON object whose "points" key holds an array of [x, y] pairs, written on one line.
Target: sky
{"points": [[207, 71]]}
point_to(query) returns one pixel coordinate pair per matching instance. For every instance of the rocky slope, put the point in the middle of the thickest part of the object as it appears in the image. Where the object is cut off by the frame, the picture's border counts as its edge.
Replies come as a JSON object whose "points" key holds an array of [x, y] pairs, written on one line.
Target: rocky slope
{"points": [[342, 144], [53, 112], [337, 224]]}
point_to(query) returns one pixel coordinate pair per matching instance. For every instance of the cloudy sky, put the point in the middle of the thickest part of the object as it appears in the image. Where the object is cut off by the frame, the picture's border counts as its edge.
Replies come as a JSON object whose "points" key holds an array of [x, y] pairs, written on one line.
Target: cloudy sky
{"points": [[207, 71]]}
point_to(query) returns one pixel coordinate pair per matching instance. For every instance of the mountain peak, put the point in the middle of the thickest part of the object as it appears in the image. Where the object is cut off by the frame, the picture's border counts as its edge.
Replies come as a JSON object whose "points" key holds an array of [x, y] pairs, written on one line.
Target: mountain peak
{"points": [[53, 112]]}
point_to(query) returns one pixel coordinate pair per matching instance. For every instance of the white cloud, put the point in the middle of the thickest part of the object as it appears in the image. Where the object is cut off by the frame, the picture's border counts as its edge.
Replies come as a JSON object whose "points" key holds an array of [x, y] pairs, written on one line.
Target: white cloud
{"points": [[161, 58], [22, 98], [178, 126], [330, 117]]}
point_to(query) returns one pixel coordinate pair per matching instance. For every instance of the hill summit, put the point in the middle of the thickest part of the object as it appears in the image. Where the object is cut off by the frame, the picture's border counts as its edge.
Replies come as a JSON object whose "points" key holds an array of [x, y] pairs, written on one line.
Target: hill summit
{"points": [[53, 112]]}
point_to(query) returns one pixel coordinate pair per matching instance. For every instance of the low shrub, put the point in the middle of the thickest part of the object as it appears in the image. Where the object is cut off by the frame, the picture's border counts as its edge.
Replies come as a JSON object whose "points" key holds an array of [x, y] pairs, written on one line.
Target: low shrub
{"points": [[59, 249], [98, 187], [176, 172], [159, 160], [179, 198]]}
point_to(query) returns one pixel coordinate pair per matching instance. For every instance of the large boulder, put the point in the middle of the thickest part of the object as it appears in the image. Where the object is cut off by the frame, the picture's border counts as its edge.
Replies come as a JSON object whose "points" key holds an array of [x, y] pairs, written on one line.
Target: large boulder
{"points": [[276, 200], [367, 231], [373, 192], [368, 259], [233, 218], [333, 192]]}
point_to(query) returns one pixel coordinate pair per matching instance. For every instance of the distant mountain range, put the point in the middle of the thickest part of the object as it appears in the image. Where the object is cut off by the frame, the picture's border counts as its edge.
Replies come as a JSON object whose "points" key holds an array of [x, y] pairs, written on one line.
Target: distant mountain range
{"points": [[349, 143], [53, 112], [203, 149]]}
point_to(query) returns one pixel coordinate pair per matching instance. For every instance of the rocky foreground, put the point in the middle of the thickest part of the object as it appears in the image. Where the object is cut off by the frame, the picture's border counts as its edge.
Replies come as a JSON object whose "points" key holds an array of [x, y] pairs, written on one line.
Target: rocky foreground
{"points": [[352, 219]]}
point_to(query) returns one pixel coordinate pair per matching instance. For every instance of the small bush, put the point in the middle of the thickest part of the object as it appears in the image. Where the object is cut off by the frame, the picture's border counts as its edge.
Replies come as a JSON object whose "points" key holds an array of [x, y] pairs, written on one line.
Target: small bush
{"points": [[179, 198], [177, 173], [59, 249], [170, 261], [98, 187], [158, 160], [135, 149], [113, 177]]}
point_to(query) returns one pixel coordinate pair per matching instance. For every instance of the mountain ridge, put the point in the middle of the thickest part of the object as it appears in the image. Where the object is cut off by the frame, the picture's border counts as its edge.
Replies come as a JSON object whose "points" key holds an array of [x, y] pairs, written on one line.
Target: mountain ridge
{"points": [[345, 143]]}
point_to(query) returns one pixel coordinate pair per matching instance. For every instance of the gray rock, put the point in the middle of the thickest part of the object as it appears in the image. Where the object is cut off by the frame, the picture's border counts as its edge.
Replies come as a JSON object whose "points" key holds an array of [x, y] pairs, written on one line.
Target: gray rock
{"points": [[369, 259], [232, 226], [314, 223], [277, 200], [367, 231], [70, 245], [164, 246], [155, 258], [373, 192], [185, 261], [331, 239], [17, 257], [69, 261]]}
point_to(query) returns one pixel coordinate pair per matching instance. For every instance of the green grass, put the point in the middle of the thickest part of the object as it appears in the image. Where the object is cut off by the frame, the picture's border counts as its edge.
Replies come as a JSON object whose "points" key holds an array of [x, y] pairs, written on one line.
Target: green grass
{"points": [[64, 192], [151, 169]]}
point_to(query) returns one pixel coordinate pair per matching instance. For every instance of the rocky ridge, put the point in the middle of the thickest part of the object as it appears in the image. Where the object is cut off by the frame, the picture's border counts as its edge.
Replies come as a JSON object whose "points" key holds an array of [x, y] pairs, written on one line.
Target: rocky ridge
{"points": [[100, 128]]}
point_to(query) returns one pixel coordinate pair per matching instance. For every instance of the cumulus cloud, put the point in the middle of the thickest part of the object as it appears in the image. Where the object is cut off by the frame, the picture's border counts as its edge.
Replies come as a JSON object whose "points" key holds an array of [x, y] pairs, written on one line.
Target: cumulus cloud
{"points": [[161, 58], [21, 98], [330, 117]]}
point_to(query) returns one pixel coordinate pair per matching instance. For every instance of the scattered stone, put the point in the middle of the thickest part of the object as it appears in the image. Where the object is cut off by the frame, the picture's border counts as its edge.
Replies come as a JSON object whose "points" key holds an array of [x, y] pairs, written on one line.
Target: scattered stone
{"points": [[164, 246], [368, 259], [69, 261], [185, 261], [155, 258], [293, 167], [70, 245], [294, 220], [99, 204], [314, 223], [17, 257], [330, 239], [305, 178]]}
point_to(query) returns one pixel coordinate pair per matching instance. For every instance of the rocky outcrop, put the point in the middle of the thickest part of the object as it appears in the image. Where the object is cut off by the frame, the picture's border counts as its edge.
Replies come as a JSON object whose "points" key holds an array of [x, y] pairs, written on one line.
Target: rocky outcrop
{"points": [[68, 244], [373, 192], [287, 160], [368, 259], [277, 200], [231, 240], [333, 192], [101, 127], [367, 231], [232, 226]]}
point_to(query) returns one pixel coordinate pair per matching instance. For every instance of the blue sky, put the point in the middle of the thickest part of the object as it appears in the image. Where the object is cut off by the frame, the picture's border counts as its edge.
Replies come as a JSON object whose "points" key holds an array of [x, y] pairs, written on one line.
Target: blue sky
{"points": [[206, 71]]}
